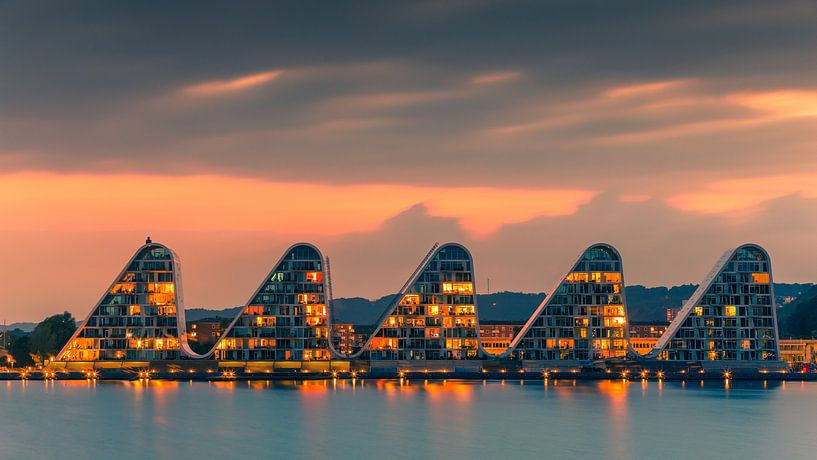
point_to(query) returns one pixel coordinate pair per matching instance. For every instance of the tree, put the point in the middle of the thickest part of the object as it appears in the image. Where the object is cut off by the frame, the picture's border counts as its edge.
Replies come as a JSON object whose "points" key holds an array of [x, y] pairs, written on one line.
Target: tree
{"points": [[20, 350], [51, 335]]}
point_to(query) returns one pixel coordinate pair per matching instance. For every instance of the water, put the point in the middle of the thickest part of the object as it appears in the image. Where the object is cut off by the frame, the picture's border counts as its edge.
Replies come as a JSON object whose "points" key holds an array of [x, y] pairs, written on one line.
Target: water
{"points": [[370, 419]]}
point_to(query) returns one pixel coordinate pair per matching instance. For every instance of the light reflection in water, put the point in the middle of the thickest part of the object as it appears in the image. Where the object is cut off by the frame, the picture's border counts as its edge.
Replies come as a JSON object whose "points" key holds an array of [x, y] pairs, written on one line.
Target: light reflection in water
{"points": [[408, 418], [617, 392]]}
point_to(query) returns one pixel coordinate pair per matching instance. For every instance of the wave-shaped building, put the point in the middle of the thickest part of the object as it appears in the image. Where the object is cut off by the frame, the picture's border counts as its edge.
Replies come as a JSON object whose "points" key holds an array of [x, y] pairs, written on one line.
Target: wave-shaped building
{"points": [[434, 315], [583, 318], [433, 321], [286, 318], [731, 317], [141, 315]]}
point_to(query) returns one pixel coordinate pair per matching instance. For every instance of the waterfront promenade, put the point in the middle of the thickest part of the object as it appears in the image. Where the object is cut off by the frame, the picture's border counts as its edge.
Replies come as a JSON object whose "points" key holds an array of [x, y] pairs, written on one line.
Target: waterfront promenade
{"points": [[474, 370]]}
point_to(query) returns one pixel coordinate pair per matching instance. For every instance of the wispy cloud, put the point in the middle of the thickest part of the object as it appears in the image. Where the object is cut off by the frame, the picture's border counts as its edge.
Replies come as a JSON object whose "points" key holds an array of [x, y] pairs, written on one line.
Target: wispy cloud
{"points": [[788, 103], [654, 112], [646, 88], [747, 194], [496, 77], [233, 85]]}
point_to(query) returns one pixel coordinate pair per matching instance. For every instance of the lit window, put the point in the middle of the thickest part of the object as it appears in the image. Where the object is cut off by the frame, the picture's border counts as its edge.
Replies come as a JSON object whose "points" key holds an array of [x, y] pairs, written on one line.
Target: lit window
{"points": [[307, 298], [135, 310], [731, 310], [315, 277], [577, 277], [315, 310], [699, 311], [760, 278], [411, 299], [433, 310], [614, 310], [160, 299], [458, 288]]}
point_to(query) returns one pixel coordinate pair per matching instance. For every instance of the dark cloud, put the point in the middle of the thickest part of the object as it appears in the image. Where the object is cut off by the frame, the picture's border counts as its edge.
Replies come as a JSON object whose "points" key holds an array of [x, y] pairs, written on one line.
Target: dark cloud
{"points": [[96, 86]]}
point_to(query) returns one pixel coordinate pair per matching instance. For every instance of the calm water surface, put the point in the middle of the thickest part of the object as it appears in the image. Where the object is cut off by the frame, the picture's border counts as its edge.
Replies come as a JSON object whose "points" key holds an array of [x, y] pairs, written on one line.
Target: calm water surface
{"points": [[564, 419]]}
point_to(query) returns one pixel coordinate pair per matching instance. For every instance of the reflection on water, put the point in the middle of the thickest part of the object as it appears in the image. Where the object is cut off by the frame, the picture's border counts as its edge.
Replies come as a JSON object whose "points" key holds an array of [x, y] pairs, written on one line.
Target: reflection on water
{"points": [[408, 419]]}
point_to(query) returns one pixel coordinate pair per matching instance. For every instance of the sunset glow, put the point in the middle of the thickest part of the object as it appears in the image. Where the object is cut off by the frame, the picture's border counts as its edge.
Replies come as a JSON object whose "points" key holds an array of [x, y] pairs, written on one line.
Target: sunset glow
{"points": [[83, 202]]}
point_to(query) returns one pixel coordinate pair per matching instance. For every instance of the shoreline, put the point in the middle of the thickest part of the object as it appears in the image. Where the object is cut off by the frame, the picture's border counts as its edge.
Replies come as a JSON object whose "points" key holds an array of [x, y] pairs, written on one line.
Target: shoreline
{"points": [[231, 376]]}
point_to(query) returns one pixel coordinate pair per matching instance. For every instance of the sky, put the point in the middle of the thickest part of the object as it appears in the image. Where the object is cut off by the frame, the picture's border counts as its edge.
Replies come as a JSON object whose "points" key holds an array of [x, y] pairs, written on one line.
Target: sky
{"points": [[525, 130]]}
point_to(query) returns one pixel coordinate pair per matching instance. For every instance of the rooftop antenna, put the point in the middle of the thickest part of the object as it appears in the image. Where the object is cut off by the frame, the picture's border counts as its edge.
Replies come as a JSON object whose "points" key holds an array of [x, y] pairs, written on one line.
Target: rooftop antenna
{"points": [[148, 240], [489, 285]]}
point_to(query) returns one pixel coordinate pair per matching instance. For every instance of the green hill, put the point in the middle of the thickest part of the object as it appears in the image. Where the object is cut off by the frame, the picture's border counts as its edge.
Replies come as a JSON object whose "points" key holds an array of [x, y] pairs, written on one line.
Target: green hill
{"points": [[799, 318]]}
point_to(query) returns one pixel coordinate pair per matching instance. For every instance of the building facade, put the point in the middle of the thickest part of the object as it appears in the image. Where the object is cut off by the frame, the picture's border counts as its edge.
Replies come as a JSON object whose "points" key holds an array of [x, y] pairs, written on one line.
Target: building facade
{"points": [[434, 316], [204, 332], [348, 338], [643, 345], [583, 318], [730, 317], [496, 337], [799, 354], [139, 316], [645, 329], [286, 318]]}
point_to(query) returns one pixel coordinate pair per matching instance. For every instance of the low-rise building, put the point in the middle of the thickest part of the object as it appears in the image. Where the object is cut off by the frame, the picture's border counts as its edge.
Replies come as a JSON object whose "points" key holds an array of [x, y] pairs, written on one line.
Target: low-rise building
{"points": [[205, 331], [348, 338], [801, 354], [496, 337], [647, 329], [643, 345]]}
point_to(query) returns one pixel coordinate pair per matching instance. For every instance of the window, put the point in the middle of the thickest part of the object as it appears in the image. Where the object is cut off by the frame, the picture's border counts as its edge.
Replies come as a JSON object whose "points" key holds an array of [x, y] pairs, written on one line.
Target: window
{"points": [[731, 310], [458, 288], [577, 277], [760, 278], [411, 299]]}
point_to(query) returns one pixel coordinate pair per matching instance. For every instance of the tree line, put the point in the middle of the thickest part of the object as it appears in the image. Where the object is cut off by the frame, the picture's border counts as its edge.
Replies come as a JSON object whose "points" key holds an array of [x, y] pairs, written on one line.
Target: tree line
{"points": [[43, 343]]}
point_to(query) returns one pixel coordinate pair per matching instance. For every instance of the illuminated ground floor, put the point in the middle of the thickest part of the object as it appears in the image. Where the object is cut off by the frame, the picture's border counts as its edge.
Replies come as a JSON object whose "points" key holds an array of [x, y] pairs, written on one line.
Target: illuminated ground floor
{"points": [[475, 369]]}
